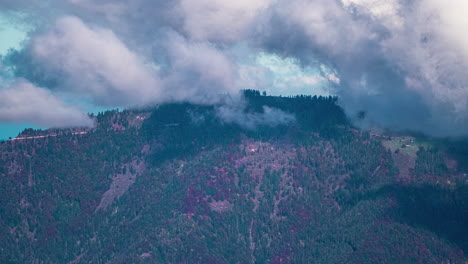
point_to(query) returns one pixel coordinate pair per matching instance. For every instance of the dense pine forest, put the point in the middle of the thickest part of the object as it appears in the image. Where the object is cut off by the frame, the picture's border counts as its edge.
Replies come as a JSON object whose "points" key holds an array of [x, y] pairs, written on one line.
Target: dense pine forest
{"points": [[179, 184]]}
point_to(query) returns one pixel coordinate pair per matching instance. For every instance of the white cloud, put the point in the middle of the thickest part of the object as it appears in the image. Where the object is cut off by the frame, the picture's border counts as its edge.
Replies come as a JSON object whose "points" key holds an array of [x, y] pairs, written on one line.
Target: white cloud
{"points": [[432, 50], [95, 62], [452, 22], [24, 102], [387, 53], [386, 11], [197, 70], [325, 23], [381, 54], [269, 117], [220, 20]]}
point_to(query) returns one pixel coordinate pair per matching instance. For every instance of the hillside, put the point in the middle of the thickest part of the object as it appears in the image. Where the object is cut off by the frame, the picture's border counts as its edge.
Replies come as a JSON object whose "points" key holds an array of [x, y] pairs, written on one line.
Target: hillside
{"points": [[178, 184]]}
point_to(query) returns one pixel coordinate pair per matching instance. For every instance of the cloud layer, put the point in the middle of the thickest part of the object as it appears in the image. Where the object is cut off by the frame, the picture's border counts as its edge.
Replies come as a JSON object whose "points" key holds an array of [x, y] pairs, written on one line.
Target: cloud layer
{"points": [[24, 102], [93, 61], [404, 62]]}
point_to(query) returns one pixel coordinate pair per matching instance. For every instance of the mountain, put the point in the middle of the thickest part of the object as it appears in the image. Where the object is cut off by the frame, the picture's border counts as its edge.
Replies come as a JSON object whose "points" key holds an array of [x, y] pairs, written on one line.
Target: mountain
{"points": [[180, 184]]}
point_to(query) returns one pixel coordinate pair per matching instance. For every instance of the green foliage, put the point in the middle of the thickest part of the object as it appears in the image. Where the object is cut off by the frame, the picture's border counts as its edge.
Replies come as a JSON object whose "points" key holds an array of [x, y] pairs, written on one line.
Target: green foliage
{"points": [[314, 191], [430, 161]]}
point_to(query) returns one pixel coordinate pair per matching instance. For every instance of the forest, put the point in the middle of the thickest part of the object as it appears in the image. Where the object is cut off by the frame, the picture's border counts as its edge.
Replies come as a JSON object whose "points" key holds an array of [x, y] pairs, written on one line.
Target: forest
{"points": [[177, 184]]}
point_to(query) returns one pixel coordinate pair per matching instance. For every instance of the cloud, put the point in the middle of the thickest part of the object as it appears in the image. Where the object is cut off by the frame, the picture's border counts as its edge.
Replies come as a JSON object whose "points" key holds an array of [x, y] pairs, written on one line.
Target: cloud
{"points": [[111, 10], [303, 27], [197, 71], [404, 62], [93, 61], [23, 102], [235, 114], [432, 50], [400, 61], [225, 21], [426, 48]]}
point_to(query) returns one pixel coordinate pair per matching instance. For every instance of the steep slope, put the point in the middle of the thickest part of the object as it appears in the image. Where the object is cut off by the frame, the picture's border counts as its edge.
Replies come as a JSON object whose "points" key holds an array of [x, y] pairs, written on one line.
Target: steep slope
{"points": [[177, 184]]}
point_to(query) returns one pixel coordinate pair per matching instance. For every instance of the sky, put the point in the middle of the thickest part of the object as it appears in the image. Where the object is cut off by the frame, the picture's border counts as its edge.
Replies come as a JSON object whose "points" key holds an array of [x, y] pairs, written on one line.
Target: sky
{"points": [[402, 62]]}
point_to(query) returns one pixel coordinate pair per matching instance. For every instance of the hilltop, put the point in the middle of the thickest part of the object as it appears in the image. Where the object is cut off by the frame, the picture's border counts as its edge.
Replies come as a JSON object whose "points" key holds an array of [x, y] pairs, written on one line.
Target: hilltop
{"points": [[182, 183]]}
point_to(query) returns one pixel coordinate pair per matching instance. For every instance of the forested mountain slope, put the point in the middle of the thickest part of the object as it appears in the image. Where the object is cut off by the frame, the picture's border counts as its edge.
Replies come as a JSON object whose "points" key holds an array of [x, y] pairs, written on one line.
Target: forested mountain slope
{"points": [[177, 184]]}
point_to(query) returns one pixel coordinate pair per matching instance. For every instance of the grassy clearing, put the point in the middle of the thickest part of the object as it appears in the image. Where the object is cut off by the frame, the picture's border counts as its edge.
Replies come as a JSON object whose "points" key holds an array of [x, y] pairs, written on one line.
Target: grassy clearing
{"points": [[409, 145]]}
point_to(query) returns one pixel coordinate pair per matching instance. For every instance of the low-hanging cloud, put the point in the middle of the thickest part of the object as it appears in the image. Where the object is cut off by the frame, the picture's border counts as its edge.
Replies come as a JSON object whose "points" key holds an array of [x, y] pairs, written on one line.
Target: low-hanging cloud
{"points": [[24, 102], [404, 62], [235, 114]]}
